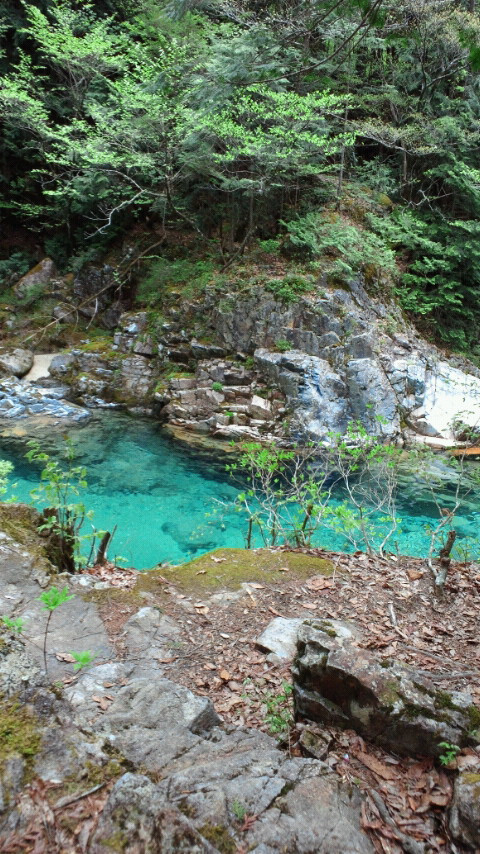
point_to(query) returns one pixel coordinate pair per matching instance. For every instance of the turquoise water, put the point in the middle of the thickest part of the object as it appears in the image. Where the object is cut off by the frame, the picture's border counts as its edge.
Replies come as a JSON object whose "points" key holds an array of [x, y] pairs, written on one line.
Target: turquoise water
{"points": [[170, 503]]}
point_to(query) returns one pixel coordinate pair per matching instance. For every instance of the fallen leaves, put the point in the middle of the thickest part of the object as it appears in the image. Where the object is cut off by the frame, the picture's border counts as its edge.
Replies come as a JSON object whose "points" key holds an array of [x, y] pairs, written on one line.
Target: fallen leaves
{"points": [[319, 582], [103, 701], [219, 660], [375, 765], [65, 656], [116, 576]]}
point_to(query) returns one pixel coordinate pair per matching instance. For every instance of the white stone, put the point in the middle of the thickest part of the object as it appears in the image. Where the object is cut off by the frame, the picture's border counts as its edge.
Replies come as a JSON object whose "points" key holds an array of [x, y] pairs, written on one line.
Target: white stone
{"points": [[450, 395], [260, 408]]}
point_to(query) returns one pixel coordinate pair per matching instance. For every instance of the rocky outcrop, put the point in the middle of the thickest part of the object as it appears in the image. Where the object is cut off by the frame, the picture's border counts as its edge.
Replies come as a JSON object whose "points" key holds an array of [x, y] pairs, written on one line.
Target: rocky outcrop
{"points": [[220, 397], [225, 399], [337, 682], [179, 775], [336, 355], [324, 360], [346, 362]]}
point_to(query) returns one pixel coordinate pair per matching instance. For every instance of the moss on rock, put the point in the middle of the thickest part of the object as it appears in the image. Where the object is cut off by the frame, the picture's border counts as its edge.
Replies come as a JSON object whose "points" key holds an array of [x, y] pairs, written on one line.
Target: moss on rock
{"points": [[228, 568], [20, 522], [19, 733], [219, 837], [106, 595]]}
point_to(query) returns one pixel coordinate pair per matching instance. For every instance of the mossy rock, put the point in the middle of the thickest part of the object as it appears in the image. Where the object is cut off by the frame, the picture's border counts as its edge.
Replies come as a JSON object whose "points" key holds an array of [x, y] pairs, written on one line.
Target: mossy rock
{"points": [[226, 569], [219, 836], [20, 522], [19, 734], [92, 774], [117, 595]]}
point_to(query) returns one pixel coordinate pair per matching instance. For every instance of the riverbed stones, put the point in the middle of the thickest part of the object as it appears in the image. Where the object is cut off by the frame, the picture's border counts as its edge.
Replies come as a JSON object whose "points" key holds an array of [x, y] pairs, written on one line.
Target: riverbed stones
{"points": [[21, 401], [337, 682]]}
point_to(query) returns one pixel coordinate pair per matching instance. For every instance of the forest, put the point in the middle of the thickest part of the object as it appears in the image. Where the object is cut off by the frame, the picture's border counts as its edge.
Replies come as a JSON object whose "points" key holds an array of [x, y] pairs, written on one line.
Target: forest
{"points": [[342, 130]]}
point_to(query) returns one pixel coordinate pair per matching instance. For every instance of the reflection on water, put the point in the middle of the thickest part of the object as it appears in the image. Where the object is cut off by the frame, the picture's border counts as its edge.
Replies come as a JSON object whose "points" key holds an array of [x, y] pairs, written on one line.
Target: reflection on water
{"points": [[163, 498]]}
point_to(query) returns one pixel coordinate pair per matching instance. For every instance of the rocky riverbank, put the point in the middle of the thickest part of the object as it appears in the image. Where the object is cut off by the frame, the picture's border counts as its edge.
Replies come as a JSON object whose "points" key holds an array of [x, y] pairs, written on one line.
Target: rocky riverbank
{"points": [[254, 365], [124, 756]]}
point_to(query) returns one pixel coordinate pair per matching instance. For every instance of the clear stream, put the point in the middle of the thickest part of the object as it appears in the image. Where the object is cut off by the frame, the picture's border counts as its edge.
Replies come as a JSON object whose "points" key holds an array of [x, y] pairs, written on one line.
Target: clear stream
{"points": [[163, 497]]}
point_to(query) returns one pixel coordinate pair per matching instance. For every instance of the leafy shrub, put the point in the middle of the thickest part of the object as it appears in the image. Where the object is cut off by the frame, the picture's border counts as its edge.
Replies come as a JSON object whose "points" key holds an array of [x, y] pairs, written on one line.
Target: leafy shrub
{"points": [[279, 717], [63, 514], [269, 245], [190, 276], [14, 268], [290, 287], [282, 345], [353, 250], [440, 285]]}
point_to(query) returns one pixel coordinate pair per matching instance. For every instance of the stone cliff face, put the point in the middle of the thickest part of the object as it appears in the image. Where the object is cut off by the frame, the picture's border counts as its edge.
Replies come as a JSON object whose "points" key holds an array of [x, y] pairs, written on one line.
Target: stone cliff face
{"points": [[320, 362], [352, 359], [245, 363]]}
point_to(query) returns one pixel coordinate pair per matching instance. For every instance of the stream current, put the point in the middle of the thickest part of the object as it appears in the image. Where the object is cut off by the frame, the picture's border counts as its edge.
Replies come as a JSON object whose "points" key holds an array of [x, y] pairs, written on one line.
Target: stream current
{"points": [[171, 503]]}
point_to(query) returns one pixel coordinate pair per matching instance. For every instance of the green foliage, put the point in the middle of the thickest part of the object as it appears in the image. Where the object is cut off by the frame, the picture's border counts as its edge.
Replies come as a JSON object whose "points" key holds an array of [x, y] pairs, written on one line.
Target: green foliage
{"points": [[217, 386], [223, 120], [82, 659], [238, 810], [163, 275], [352, 250], [282, 345], [450, 752], [271, 245], [53, 597], [16, 624], [279, 716], [289, 495], [290, 287], [5, 469], [63, 515], [13, 268]]}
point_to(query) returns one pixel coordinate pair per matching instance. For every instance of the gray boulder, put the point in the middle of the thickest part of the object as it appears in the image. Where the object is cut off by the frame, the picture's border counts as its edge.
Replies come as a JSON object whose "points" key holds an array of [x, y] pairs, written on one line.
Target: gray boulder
{"points": [[17, 362], [137, 820], [336, 682], [41, 274]]}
